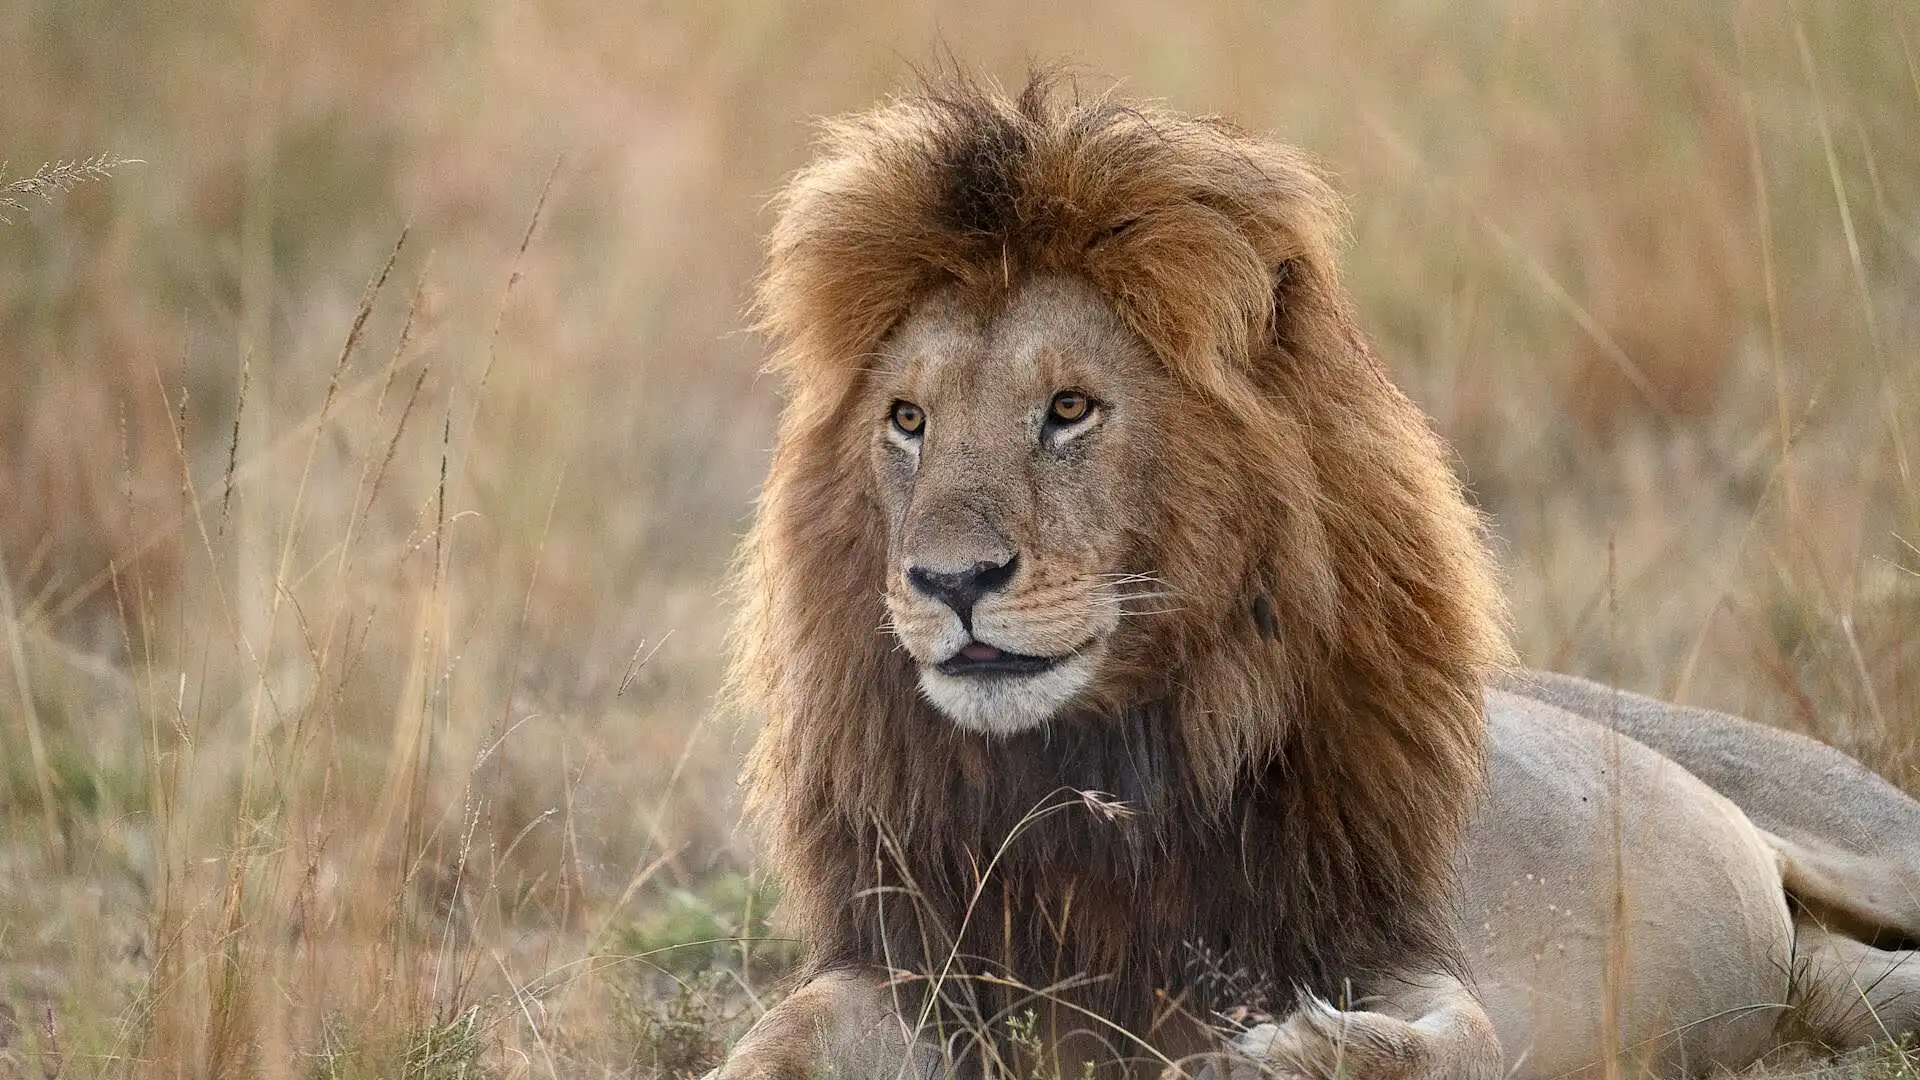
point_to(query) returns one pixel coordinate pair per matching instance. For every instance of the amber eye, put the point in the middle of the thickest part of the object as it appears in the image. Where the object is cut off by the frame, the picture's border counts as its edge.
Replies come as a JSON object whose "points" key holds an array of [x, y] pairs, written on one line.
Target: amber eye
{"points": [[908, 417], [1069, 407]]}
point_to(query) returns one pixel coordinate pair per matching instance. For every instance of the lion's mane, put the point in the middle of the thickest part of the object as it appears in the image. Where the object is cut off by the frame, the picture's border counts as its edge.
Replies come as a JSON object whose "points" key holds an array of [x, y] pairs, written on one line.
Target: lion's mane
{"points": [[1311, 746]]}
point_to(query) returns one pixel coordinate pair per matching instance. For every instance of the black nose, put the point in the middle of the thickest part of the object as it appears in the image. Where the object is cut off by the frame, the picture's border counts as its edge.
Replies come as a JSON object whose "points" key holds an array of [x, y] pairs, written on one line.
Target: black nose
{"points": [[960, 589]]}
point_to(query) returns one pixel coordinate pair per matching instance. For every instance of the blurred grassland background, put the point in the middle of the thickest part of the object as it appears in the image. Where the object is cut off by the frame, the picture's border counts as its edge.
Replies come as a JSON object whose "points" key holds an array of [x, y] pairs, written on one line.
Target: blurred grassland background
{"points": [[358, 645]]}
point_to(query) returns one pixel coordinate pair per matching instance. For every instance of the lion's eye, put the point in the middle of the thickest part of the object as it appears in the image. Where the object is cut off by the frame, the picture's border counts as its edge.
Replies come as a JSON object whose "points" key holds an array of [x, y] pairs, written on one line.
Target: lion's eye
{"points": [[908, 418], [1069, 407]]}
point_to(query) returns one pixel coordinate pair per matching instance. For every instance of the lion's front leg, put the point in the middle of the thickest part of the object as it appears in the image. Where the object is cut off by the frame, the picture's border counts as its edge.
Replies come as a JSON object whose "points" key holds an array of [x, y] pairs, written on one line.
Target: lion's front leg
{"points": [[1426, 1029], [842, 1025]]}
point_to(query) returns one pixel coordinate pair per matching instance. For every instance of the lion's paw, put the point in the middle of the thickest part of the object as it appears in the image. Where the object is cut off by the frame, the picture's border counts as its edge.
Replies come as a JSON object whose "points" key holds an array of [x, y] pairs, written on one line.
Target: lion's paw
{"points": [[1320, 1042]]}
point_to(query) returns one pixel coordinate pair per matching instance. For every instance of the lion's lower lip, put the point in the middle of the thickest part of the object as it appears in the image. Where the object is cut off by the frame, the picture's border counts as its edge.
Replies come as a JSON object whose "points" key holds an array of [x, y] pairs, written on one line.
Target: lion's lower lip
{"points": [[999, 663]]}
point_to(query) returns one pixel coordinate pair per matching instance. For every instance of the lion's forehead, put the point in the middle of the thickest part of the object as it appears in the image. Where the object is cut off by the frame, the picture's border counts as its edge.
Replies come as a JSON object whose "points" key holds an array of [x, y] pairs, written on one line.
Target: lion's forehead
{"points": [[1049, 329]]}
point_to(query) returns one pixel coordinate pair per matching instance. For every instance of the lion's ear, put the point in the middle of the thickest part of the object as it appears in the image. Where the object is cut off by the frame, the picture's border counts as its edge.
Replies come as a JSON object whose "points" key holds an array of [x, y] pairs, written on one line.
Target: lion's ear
{"points": [[1311, 312]]}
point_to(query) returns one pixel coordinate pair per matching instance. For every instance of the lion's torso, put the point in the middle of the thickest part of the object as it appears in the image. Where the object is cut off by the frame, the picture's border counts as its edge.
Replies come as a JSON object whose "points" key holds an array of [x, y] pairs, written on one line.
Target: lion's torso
{"points": [[1607, 891]]}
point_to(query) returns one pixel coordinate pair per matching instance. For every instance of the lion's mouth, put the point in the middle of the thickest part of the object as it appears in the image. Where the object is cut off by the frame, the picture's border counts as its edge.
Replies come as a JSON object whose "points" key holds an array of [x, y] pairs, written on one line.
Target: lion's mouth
{"points": [[980, 658]]}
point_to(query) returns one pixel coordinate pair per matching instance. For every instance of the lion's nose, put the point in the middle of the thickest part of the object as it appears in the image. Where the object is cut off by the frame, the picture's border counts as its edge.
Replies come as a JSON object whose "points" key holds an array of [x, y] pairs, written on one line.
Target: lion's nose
{"points": [[961, 589]]}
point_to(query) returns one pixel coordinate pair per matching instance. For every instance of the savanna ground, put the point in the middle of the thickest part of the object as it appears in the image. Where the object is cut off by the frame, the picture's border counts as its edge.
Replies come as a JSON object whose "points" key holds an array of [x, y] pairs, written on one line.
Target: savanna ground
{"points": [[358, 642]]}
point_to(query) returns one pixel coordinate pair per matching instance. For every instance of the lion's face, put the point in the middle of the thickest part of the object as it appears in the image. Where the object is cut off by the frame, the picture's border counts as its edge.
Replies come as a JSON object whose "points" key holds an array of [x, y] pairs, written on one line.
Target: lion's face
{"points": [[1012, 452]]}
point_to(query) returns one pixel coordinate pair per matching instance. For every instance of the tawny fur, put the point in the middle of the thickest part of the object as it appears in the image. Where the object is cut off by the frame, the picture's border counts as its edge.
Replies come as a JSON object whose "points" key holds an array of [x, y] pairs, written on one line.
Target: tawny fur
{"points": [[1301, 742]]}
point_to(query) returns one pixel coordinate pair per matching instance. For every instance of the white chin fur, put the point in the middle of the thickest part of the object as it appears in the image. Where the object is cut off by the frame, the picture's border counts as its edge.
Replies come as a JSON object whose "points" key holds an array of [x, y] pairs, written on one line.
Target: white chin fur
{"points": [[1005, 704]]}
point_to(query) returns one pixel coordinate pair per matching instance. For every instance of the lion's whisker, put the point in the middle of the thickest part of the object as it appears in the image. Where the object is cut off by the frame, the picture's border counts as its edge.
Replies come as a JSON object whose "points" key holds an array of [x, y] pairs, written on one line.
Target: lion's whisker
{"points": [[1122, 600], [1129, 579]]}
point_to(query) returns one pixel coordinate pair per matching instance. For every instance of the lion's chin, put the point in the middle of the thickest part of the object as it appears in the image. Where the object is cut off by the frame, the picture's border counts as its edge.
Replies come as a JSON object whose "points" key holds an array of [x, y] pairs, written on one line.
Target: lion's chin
{"points": [[1006, 704]]}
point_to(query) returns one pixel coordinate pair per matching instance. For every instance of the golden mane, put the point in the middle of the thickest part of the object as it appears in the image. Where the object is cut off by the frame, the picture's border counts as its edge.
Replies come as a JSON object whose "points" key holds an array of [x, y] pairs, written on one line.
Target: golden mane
{"points": [[1302, 773]]}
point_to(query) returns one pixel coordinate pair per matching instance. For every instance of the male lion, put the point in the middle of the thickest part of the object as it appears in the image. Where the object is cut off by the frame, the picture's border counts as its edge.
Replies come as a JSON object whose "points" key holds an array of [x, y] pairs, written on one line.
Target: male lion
{"points": [[1130, 659]]}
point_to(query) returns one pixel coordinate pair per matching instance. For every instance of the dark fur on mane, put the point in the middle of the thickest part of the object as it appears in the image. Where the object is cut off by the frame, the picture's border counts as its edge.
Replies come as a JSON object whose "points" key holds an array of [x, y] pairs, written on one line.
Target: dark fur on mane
{"points": [[1299, 776]]}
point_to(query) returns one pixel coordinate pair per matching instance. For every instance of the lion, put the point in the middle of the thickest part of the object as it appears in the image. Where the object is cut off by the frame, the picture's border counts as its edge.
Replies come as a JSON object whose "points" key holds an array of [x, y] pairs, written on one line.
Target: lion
{"points": [[1134, 676]]}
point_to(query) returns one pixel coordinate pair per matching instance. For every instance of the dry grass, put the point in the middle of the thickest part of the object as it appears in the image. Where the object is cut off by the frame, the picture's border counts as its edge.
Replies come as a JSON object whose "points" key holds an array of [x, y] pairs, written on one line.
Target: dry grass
{"points": [[52, 179], [358, 642]]}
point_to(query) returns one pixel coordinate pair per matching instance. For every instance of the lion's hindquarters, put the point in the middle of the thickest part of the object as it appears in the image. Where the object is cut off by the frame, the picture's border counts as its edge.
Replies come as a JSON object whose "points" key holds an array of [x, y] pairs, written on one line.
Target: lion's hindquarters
{"points": [[1614, 904], [1863, 895], [1850, 838]]}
